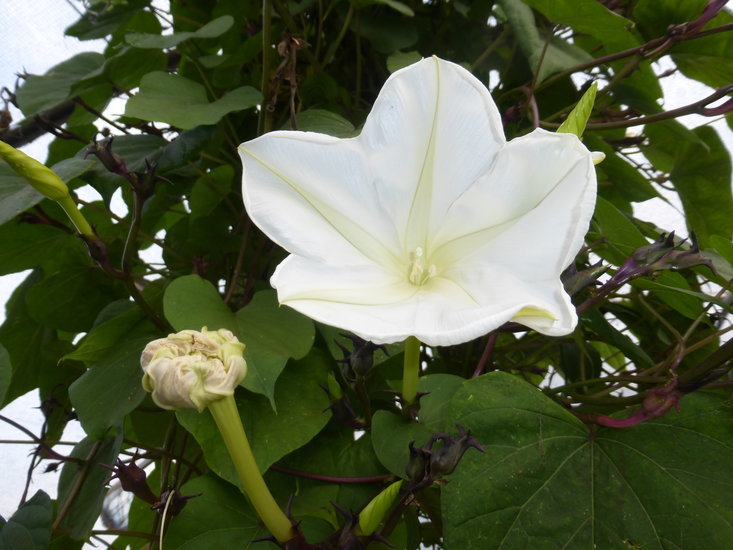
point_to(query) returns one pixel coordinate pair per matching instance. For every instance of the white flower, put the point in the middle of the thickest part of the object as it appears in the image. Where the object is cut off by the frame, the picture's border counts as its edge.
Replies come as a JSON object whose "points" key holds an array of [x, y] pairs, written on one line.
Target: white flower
{"points": [[428, 224], [190, 369]]}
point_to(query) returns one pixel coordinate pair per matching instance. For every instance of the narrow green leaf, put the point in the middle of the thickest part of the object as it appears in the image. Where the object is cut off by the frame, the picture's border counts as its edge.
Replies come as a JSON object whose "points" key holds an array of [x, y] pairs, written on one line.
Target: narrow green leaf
{"points": [[374, 513], [578, 117], [81, 485]]}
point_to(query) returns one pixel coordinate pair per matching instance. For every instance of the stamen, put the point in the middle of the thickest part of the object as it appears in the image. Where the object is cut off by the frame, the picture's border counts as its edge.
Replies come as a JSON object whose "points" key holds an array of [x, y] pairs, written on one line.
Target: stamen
{"points": [[417, 273]]}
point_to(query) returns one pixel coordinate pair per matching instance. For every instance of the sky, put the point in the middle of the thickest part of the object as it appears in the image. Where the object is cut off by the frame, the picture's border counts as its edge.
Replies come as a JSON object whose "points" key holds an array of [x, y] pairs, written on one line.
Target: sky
{"points": [[33, 41]]}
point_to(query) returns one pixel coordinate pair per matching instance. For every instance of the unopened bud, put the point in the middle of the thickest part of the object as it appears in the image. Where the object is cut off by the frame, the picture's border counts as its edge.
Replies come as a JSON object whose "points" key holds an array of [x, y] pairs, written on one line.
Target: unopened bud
{"points": [[42, 179], [191, 369]]}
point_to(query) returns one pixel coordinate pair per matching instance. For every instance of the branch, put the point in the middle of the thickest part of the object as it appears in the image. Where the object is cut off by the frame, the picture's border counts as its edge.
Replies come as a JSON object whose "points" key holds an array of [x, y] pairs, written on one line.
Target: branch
{"points": [[697, 108]]}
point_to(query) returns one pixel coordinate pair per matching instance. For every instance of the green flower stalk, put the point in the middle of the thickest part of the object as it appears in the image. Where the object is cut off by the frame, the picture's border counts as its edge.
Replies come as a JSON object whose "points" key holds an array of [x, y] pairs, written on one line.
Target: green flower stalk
{"points": [[192, 369], [47, 182], [411, 370]]}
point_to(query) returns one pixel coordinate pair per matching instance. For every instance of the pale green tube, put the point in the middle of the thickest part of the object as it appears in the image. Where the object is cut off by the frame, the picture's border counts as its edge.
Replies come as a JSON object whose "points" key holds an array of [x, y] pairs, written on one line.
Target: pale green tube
{"points": [[411, 370], [227, 419]]}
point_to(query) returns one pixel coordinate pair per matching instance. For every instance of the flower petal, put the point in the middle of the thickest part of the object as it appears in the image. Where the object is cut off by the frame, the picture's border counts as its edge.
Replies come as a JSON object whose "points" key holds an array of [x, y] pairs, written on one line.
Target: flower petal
{"points": [[446, 311], [531, 216], [312, 194], [433, 130]]}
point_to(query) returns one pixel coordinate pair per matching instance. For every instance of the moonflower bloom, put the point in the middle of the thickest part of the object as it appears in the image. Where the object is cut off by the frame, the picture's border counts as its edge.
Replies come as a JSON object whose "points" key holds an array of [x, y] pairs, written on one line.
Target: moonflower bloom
{"points": [[429, 223]]}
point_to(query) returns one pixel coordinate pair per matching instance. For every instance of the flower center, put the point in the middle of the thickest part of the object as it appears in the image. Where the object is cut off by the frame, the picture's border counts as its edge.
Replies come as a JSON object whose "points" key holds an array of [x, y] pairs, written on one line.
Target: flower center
{"points": [[417, 272]]}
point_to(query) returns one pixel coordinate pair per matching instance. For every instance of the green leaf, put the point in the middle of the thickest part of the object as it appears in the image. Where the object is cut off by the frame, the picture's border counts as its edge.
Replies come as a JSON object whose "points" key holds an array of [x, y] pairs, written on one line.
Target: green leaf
{"points": [[34, 349], [556, 56], [578, 117], [592, 18], [702, 177], [708, 59], [438, 390], [391, 436], [619, 235], [108, 332], [595, 320], [324, 122], [374, 512], [212, 29], [25, 245], [209, 190], [112, 388], [301, 405], [106, 19], [39, 93], [617, 179], [181, 102], [665, 142], [81, 484], [6, 372], [191, 302], [29, 528], [272, 334], [70, 299], [544, 478], [386, 32], [399, 60], [16, 195], [220, 517]]}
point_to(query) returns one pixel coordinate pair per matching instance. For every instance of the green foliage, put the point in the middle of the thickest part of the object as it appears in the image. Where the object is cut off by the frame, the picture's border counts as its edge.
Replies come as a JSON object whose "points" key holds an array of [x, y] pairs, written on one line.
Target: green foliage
{"points": [[196, 79], [30, 526]]}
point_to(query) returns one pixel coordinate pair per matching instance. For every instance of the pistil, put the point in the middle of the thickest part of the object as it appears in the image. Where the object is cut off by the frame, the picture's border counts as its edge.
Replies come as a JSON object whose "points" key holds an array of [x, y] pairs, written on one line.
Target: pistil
{"points": [[417, 272]]}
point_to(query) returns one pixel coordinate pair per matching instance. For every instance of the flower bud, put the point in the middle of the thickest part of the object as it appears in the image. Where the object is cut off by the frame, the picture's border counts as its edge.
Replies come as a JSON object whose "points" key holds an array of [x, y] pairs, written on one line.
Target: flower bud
{"points": [[43, 179], [191, 369]]}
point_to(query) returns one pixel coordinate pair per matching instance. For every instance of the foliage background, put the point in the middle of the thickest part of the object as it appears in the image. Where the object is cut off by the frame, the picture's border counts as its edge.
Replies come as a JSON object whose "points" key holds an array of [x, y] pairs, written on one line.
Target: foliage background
{"points": [[660, 325]]}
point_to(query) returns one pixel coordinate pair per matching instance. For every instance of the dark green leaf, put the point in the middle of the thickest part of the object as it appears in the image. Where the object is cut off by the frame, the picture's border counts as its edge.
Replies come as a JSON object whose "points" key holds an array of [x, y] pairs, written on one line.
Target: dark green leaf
{"points": [[555, 56], [191, 302], [181, 102], [545, 479], [301, 405], [212, 29], [702, 177], [618, 234], [112, 388], [70, 299], [391, 436], [594, 320], [25, 246], [29, 528], [324, 122], [708, 59], [39, 93], [81, 485], [220, 517], [398, 60], [6, 372], [16, 194]]}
